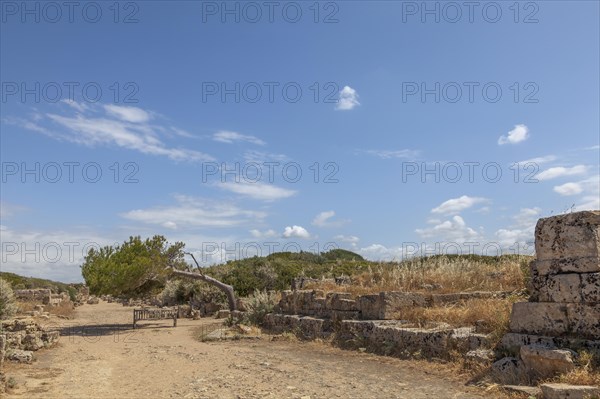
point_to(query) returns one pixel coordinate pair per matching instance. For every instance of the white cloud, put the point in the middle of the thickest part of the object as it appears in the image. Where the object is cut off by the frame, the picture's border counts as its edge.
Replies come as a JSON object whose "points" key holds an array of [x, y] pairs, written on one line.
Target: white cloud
{"points": [[456, 205], [81, 107], [453, 230], [127, 114], [263, 234], [521, 233], [568, 189], [539, 160], [388, 154], [594, 147], [518, 134], [378, 252], [124, 127], [228, 137], [296, 231], [7, 210], [51, 254], [591, 198], [348, 99], [323, 219], [258, 190], [350, 239], [191, 212], [560, 171]]}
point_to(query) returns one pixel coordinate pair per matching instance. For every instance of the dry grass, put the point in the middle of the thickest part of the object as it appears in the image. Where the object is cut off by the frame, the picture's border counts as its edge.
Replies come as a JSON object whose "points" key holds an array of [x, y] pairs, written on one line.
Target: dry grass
{"points": [[586, 373], [442, 274], [490, 315], [447, 274], [65, 308]]}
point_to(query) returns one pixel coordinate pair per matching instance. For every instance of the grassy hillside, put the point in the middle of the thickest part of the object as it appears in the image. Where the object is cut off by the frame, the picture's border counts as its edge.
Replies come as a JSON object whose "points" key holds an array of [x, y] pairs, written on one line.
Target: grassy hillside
{"points": [[19, 282], [453, 272]]}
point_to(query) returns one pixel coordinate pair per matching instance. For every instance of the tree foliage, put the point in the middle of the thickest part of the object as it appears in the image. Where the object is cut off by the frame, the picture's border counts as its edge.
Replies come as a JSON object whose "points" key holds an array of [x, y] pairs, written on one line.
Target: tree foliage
{"points": [[134, 268], [8, 303]]}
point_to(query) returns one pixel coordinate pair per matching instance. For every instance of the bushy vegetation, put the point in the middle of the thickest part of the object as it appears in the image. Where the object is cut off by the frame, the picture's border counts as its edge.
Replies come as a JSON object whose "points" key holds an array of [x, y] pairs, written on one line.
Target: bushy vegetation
{"points": [[259, 304], [135, 268], [180, 291], [20, 283], [8, 304]]}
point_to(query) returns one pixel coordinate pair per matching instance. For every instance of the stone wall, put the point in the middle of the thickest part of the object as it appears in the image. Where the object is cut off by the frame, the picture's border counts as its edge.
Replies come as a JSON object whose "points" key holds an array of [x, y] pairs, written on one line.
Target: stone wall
{"points": [[563, 314], [41, 294], [22, 337], [388, 305]]}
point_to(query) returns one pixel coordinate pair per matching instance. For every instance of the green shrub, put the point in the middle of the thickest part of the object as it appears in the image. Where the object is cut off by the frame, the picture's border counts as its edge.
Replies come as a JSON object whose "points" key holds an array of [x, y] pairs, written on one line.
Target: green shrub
{"points": [[8, 304], [259, 304]]}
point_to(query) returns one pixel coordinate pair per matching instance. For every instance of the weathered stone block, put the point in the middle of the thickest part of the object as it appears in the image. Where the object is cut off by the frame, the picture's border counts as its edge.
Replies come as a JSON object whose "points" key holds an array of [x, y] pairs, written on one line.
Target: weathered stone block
{"points": [[509, 370], [539, 318], [588, 264], [584, 320], [33, 342], [388, 305], [570, 287], [544, 362], [512, 343], [565, 391], [19, 355], [573, 235]]}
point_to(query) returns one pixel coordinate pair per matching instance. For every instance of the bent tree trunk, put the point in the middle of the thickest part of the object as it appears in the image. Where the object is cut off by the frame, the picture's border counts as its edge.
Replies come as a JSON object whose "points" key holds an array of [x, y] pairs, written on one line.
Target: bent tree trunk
{"points": [[227, 289]]}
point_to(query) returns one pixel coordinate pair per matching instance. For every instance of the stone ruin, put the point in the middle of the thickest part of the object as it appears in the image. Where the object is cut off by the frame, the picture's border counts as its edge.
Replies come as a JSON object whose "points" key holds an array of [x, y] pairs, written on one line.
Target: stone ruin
{"points": [[563, 314], [374, 322], [43, 295]]}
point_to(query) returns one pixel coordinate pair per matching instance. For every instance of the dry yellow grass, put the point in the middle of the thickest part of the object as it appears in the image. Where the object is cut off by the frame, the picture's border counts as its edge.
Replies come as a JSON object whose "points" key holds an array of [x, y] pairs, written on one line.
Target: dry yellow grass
{"points": [[441, 274], [586, 373], [65, 308]]}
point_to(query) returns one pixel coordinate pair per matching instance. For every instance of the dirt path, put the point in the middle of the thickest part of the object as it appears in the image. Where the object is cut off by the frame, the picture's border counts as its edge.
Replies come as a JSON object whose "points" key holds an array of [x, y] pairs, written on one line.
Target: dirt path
{"points": [[99, 356]]}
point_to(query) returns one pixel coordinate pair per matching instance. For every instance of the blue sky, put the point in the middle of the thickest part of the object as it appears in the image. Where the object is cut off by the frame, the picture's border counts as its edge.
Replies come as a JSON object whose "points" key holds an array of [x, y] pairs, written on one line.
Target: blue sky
{"points": [[372, 95]]}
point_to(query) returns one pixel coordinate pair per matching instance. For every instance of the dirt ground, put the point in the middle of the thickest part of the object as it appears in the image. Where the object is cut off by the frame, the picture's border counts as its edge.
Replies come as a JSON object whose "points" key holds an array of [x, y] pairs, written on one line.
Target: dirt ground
{"points": [[100, 356]]}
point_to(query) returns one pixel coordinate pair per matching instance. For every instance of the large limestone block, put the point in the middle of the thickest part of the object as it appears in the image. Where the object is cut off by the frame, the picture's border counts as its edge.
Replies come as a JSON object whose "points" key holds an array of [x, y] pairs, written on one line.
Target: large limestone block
{"points": [[565, 391], [388, 305], [556, 319], [588, 264], [512, 343], [540, 318], [570, 287], [544, 362], [584, 320], [574, 235]]}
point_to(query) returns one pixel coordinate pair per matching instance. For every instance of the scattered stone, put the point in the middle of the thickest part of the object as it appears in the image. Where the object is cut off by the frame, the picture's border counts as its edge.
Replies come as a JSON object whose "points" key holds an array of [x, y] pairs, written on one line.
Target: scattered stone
{"points": [[223, 314], [566, 391], [509, 370], [544, 362], [535, 392], [480, 356], [19, 355]]}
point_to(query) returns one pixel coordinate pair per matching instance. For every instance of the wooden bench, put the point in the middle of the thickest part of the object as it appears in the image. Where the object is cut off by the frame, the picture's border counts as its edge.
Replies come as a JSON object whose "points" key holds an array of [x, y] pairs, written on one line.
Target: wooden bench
{"points": [[155, 314]]}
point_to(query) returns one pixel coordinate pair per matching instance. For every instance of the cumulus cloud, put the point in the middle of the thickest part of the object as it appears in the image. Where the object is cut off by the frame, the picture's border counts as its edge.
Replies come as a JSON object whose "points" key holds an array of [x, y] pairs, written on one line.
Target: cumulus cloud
{"points": [[348, 99], [453, 230], [258, 190], [225, 136], [568, 189], [560, 171], [296, 232], [456, 205], [348, 239], [518, 134], [520, 234]]}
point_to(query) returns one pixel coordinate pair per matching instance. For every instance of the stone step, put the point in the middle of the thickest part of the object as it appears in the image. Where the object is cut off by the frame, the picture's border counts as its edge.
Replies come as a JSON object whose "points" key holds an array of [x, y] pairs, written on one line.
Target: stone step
{"points": [[556, 319], [565, 288], [565, 391]]}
